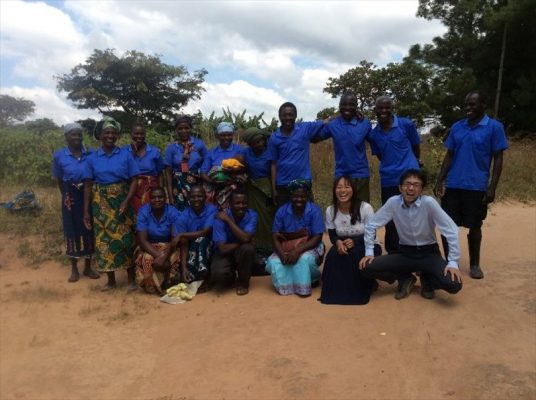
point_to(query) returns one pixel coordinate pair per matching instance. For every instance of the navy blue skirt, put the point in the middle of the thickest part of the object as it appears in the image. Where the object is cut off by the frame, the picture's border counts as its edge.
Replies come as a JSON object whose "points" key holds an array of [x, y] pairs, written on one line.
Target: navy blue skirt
{"points": [[79, 241]]}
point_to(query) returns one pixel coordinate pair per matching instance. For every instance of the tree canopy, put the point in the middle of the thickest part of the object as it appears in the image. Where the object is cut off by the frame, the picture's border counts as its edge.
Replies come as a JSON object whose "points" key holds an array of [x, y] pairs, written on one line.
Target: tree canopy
{"points": [[14, 109], [133, 87]]}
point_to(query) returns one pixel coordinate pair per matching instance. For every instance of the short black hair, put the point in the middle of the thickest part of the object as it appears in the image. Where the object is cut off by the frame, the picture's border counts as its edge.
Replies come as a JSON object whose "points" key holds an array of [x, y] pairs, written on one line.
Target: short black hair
{"points": [[157, 188], [481, 95], [288, 104], [414, 172], [237, 192], [183, 118]]}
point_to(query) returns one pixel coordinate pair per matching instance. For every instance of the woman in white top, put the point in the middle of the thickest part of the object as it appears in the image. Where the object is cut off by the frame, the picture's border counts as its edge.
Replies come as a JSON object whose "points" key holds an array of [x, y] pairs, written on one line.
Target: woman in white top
{"points": [[342, 282]]}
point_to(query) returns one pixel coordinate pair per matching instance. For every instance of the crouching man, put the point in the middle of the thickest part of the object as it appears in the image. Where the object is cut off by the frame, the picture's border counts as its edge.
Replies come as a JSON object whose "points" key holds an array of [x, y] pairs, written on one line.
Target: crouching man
{"points": [[415, 217]]}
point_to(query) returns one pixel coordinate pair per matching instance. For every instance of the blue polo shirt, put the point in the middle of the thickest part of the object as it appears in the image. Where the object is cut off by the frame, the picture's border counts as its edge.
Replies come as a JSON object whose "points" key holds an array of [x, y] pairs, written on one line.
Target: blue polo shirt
{"points": [[291, 153], [221, 233], [175, 151], [395, 149], [118, 166], [157, 230], [151, 162], [258, 166], [216, 155], [286, 221], [189, 221], [67, 167], [473, 149], [349, 144]]}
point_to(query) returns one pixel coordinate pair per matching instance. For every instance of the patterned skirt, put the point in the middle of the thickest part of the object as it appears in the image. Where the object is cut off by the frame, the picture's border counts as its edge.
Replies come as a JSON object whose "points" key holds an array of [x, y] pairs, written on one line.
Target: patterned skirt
{"points": [[148, 279], [182, 182], [79, 241], [114, 237], [199, 257], [143, 192]]}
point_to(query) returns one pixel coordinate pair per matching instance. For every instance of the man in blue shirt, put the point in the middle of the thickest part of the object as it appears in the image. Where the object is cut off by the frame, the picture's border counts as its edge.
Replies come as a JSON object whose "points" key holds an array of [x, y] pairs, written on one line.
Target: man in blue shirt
{"points": [[232, 235], [416, 216], [471, 146], [349, 134], [396, 143], [289, 151]]}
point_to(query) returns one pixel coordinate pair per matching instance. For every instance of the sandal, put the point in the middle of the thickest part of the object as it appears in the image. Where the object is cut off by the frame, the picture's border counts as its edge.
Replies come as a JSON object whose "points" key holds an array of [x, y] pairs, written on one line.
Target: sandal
{"points": [[241, 291], [91, 274]]}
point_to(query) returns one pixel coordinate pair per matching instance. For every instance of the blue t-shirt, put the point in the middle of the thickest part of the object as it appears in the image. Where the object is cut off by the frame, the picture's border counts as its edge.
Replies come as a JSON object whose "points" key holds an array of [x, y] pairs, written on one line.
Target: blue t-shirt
{"points": [[216, 155], [151, 162], [258, 166], [291, 153], [175, 151], [157, 230], [349, 144], [221, 233], [67, 167], [118, 166], [395, 149], [286, 221], [473, 149], [189, 221]]}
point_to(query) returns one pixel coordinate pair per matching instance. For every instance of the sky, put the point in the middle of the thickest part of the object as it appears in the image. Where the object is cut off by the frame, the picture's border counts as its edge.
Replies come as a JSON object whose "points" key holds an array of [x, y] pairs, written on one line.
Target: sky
{"points": [[258, 54]]}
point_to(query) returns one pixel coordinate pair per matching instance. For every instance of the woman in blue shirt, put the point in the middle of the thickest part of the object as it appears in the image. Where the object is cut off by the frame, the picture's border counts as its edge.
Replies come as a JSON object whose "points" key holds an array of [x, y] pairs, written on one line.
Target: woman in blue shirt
{"points": [[259, 187], [183, 161], [108, 180], [150, 164], [297, 238], [68, 168], [157, 264]]}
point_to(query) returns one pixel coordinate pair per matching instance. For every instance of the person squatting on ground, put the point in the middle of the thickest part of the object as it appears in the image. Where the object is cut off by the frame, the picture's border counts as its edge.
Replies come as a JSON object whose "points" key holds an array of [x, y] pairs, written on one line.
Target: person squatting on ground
{"points": [[416, 216], [473, 143]]}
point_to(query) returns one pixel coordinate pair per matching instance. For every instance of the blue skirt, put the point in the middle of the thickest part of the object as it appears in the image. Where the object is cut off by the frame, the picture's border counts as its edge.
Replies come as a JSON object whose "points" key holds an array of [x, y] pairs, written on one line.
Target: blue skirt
{"points": [[79, 241]]}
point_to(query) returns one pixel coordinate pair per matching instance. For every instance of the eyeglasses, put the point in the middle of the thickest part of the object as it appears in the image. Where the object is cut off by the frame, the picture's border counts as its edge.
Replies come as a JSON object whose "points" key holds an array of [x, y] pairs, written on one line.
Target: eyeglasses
{"points": [[416, 185]]}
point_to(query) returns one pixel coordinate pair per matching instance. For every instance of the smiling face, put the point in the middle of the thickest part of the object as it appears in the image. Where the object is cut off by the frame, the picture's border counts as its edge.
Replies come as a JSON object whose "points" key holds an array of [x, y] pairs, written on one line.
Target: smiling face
{"points": [[343, 191], [74, 138], [183, 131], [225, 139], [287, 117], [239, 205], [258, 145], [157, 199], [384, 111], [196, 198], [298, 199], [348, 107], [138, 135], [109, 136], [474, 107], [411, 188]]}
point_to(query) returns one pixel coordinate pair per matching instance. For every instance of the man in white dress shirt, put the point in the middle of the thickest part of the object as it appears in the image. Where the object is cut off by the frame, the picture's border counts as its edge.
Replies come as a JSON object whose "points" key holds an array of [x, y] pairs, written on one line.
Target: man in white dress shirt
{"points": [[415, 216]]}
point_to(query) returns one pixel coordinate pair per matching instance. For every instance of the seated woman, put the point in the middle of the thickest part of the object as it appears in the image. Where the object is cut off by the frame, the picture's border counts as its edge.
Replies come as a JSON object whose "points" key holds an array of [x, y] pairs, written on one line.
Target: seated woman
{"points": [[157, 265], [193, 235], [342, 282], [297, 239]]}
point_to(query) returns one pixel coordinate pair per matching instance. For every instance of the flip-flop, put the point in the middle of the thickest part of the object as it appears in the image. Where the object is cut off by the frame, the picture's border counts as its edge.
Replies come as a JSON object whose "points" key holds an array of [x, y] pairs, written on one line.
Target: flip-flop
{"points": [[241, 291]]}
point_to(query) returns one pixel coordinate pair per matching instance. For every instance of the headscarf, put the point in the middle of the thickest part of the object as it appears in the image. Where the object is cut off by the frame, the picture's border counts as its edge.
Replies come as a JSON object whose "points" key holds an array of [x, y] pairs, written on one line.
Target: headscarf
{"points": [[73, 126], [224, 127], [298, 184], [252, 134], [106, 122], [184, 119]]}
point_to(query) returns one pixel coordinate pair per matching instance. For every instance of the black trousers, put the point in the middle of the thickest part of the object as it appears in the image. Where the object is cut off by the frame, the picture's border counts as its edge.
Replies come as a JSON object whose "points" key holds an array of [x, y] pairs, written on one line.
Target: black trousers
{"points": [[391, 235], [236, 267], [400, 266]]}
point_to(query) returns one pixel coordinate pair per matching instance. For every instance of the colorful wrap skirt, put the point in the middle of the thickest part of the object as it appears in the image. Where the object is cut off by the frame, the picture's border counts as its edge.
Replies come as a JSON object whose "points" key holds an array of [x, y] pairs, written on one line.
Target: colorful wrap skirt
{"points": [[199, 257], [296, 278], [143, 191], [79, 241], [181, 183], [114, 236], [148, 279]]}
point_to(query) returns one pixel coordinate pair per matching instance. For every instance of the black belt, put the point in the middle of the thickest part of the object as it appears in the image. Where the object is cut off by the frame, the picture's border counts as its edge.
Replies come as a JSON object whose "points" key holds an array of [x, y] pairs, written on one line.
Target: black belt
{"points": [[424, 248]]}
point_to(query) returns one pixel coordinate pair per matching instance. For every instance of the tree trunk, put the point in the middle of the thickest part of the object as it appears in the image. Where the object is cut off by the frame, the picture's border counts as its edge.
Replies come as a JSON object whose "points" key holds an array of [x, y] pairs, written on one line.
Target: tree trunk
{"points": [[499, 79]]}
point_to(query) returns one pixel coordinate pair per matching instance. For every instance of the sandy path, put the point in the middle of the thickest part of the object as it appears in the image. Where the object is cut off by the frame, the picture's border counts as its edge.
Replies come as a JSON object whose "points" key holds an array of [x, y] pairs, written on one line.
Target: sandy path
{"points": [[69, 341]]}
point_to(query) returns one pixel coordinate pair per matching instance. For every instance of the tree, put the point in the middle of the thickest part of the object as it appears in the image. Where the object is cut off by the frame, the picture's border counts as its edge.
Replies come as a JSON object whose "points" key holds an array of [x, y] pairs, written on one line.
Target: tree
{"points": [[14, 109], [134, 87], [326, 112], [41, 125]]}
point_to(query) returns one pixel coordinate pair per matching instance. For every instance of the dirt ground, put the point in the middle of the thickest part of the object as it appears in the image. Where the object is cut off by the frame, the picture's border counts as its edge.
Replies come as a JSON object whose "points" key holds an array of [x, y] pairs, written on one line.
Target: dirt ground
{"points": [[69, 341]]}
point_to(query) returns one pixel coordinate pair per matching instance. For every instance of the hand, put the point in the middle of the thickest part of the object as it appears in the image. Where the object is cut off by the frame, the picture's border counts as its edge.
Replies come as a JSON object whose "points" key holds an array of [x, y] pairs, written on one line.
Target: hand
{"points": [[349, 243], [439, 190], [186, 276], [455, 274], [365, 261], [341, 247], [160, 262], [123, 206], [292, 257], [359, 115], [489, 197], [222, 215], [87, 221]]}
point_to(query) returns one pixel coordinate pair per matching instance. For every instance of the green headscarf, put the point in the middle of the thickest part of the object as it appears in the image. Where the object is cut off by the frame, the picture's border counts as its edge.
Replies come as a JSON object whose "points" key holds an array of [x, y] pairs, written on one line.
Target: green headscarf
{"points": [[106, 122], [252, 134]]}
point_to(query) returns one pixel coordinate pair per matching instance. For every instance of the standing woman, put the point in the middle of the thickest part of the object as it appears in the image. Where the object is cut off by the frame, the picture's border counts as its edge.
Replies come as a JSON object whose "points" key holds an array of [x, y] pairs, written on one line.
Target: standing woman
{"points": [[297, 236], [111, 170], [68, 168], [183, 160], [150, 164], [259, 186], [346, 217]]}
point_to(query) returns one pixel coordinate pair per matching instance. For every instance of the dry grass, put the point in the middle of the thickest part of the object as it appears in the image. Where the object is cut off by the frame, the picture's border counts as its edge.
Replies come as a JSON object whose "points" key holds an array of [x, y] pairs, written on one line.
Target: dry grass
{"points": [[40, 294]]}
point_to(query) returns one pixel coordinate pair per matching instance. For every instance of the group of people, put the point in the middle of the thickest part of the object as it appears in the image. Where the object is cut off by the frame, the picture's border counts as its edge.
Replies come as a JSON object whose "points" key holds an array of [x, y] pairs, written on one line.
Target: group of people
{"points": [[224, 214]]}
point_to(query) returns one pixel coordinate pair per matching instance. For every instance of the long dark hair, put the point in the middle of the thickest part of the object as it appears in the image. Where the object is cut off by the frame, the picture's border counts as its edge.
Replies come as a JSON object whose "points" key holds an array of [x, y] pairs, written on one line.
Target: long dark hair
{"points": [[355, 201]]}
